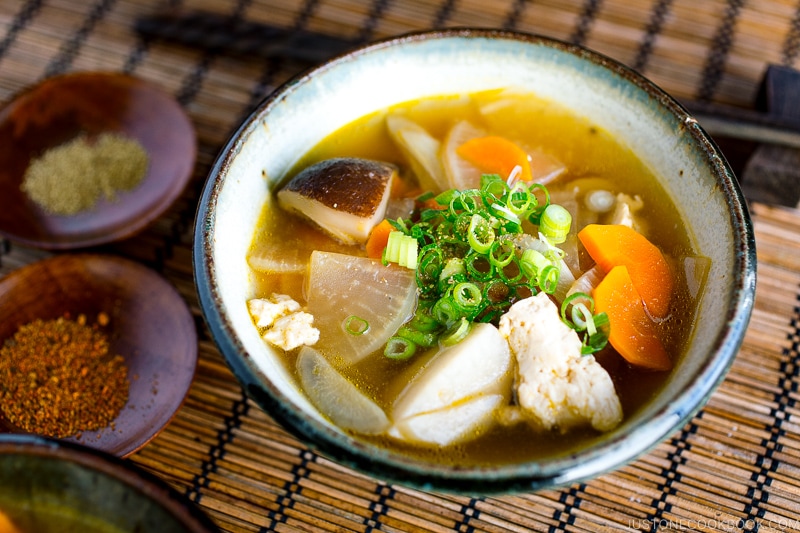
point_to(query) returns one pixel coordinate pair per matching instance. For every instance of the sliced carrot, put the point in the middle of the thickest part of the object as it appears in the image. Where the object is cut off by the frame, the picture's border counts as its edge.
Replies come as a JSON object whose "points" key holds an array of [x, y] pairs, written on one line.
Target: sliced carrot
{"points": [[614, 245], [633, 334], [431, 203], [378, 238], [496, 155]]}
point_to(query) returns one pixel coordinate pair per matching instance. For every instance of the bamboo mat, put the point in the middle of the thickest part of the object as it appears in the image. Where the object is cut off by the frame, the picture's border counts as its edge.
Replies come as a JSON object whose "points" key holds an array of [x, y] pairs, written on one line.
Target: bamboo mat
{"points": [[734, 467]]}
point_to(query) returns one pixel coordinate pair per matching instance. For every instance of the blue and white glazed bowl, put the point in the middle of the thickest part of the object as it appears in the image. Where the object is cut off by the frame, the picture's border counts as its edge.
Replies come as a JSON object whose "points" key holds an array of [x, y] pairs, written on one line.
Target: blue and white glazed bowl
{"points": [[308, 108]]}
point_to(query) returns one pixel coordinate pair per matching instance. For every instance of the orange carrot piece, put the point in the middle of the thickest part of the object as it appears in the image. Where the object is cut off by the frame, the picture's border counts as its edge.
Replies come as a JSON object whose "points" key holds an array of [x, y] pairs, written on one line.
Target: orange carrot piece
{"points": [[633, 334], [614, 245], [496, 155], [378, 238]]}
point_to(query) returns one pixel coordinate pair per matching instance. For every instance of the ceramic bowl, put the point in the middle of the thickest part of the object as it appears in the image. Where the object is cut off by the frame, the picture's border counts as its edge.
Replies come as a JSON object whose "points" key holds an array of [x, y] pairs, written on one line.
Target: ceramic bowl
{"points": [[50, 486], [643, 117]]}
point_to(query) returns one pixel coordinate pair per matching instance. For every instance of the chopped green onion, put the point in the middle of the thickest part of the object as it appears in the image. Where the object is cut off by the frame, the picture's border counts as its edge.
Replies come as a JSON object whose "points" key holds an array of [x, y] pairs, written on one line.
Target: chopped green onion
{"points": [[454, 266], [480, 234], [420, 338], [401, 249], [423, 321], [595, 328], [493, 188], [479, 267], [355, 325], [467, 296], [555, 223], [582, 318], [548, 279], [595, 342], [429, 267], [456, 332], [399, 349], [445, 310], [497, 291], [446, 197], [467, 267], [501, 253], [505, 213], [541, 205], [540, 271], [521, 200], [574, 299]]}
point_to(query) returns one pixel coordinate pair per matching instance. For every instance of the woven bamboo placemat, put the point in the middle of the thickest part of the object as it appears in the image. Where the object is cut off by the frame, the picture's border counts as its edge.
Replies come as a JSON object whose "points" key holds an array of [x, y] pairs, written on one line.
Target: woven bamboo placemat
{"points": [[734, 467]]}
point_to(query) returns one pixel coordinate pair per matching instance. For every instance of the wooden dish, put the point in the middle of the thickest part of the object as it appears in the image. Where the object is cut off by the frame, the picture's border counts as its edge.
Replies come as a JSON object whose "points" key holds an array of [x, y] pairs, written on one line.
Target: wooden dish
{"points": [[150, 326], [63, 107]]}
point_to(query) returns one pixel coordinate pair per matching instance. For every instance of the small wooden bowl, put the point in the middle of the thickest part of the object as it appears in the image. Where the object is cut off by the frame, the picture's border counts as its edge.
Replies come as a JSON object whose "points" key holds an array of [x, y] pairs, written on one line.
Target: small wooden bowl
{"points": [[150, 326], [62, 107]]}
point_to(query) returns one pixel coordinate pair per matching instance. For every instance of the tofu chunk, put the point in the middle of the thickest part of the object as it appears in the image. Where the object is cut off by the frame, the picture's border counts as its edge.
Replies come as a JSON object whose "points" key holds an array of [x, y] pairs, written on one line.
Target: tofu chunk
{"points": [[292, 331], [556, 386], [282, 321], [265, 311]]}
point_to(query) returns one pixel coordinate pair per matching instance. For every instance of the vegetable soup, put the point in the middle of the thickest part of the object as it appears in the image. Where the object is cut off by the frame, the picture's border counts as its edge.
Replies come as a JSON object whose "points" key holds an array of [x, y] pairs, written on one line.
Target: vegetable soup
{"points": [[475, 279]]}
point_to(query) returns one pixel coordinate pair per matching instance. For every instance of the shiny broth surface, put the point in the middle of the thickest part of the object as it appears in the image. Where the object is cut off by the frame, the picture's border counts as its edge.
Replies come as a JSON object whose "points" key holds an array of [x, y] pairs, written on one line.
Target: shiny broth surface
{"points": [[589, 154]]}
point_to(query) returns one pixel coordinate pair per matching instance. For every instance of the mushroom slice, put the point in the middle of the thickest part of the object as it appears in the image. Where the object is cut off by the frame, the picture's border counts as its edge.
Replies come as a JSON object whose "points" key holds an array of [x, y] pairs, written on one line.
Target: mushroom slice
{"points": [[344, 196]]}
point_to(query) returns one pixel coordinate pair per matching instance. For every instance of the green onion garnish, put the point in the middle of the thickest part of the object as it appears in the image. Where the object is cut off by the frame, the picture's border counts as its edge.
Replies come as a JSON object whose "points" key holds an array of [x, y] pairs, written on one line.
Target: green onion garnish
{"points": [[399, 349], [554, 223], [469, 267], [595, 328], [355, 325], [401, 249], [456, 332]]}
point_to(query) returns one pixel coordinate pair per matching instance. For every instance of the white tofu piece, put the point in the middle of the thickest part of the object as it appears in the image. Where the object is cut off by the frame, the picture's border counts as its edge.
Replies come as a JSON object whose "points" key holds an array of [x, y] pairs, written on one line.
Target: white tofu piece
{"points": [[557, 387]]}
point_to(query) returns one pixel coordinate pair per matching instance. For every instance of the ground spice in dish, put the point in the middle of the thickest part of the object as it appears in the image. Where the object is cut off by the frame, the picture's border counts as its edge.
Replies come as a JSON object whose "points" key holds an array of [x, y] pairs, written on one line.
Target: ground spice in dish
{"points": [[70, 178], [58, 378]]}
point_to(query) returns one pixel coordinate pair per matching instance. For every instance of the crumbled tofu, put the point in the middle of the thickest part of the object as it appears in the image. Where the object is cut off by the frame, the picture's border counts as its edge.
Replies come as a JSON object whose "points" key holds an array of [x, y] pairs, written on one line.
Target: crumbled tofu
{"points": [[266, 311], [625, 211], [556, 386], [292, 331], [285, 325]]}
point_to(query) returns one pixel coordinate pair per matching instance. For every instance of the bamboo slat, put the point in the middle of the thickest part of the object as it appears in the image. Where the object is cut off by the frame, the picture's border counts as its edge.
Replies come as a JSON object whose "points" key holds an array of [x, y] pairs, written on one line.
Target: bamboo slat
{"points": [[734, 467]]}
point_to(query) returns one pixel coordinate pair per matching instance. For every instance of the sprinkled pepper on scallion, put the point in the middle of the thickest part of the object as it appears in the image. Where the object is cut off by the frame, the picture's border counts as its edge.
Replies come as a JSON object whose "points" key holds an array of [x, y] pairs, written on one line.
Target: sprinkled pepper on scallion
{"points": [[469, 269]]}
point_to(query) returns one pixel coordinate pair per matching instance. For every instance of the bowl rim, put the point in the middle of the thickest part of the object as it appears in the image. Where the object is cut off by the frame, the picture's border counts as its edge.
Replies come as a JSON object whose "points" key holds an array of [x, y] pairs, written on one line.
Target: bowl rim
{"points": [[594, 461], [186, 512]]}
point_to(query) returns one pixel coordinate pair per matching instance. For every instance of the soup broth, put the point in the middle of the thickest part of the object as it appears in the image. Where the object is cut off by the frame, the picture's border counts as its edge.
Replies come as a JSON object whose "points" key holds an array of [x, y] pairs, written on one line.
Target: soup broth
{"points": [[589, 155]]}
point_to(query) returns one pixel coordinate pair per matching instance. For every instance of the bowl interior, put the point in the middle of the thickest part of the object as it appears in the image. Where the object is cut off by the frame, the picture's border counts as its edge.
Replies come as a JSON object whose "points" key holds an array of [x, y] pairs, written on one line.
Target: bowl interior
{"points": [[635, 112]]}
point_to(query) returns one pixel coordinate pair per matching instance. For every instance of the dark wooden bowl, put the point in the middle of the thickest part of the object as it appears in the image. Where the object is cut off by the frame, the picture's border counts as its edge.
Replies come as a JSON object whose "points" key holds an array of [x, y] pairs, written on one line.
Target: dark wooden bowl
{"points": [[63, 107], [151, 327]]}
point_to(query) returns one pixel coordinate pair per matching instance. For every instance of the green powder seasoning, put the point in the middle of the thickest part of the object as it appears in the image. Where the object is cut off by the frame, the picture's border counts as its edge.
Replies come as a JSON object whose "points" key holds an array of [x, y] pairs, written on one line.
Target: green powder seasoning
{"points": [[70, 178]]}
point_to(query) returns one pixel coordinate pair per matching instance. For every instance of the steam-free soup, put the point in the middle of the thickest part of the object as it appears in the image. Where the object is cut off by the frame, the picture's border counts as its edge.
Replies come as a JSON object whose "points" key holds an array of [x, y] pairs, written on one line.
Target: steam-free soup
{"points": [[599, 182]]}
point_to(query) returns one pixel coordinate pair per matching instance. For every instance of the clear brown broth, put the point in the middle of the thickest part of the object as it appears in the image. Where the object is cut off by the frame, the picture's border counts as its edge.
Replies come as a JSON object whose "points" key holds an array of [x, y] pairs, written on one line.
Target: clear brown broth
{"points": [[587, 151]]}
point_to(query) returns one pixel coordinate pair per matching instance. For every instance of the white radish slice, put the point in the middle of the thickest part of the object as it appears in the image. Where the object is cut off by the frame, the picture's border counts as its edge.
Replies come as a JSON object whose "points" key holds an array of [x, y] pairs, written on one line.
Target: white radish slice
{"points": [[336, 398], [342, 286], [461, 174], [421, 149]]}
